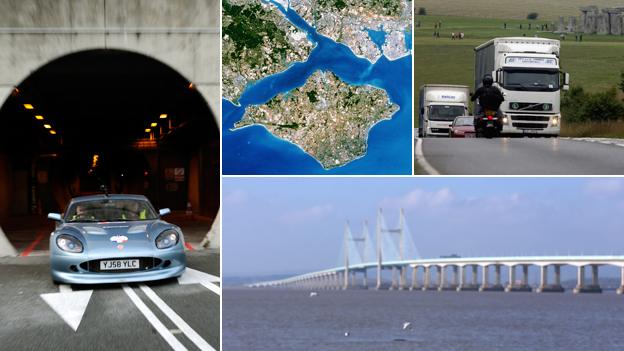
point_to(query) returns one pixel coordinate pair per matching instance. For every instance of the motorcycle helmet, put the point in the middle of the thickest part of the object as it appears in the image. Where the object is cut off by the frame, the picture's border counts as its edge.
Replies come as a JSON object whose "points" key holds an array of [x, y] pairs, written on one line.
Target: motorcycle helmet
{"points": [[487, 80]]}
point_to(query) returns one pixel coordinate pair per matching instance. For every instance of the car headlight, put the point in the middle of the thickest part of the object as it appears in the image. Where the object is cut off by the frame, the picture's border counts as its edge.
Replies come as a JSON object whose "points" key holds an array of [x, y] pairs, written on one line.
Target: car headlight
{"points": [[69, 243], [166, 239], [505, 120]]}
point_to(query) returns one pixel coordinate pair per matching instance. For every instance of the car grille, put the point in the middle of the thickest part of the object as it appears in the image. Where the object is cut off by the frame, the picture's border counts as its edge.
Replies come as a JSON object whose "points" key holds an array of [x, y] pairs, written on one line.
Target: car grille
{"points": [[530, 118], [440, 130], [145, 263], [526, 125]]}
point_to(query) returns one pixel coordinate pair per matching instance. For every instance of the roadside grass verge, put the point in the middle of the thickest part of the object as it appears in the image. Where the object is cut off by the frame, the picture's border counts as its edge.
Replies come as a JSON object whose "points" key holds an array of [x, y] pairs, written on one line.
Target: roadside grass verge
{"points": [[606, 129]]}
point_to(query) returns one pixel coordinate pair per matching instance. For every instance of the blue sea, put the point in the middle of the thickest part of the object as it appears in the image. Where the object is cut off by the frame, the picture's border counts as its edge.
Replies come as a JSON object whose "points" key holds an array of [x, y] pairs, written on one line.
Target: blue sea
{"points": [[253, 150]]}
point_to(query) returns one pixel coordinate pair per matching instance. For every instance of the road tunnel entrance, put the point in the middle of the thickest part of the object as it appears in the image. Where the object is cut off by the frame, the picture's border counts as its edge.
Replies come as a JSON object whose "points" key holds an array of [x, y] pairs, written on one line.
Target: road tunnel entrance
{"points": [[105, 118]]}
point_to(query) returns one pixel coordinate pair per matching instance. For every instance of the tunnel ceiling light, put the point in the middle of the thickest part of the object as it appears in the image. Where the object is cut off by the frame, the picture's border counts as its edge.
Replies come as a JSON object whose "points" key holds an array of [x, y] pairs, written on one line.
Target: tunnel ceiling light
{"points": [[163, 116], [147, 130], [154, 124], [39, 117], [52, 131], [28, 106], [47, 126]]}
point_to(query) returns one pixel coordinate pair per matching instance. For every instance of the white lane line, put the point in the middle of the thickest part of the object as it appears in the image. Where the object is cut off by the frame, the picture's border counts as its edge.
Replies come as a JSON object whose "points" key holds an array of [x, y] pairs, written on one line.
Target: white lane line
{"points": [[212, 287], [64, 288], [176, 319], [157, 324], [420, 157], [192, 276]]}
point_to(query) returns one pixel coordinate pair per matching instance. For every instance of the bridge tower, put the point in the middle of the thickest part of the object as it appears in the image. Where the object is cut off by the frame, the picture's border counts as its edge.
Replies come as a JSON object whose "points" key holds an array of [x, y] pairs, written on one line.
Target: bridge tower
{"points": [[346, 245], [379, 243]]}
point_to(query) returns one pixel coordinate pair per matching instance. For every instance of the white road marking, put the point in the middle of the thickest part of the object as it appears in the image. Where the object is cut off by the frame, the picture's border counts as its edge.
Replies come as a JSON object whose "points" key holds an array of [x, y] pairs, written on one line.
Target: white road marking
{"points": [[192, 276], [176, 319], [69, 305], [154, 321], [420, 157]]}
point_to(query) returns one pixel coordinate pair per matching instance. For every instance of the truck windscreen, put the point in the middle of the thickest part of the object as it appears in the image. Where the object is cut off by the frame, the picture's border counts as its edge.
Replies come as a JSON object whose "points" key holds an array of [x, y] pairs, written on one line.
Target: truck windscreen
{"points": [[445, 112], [533, 80]]}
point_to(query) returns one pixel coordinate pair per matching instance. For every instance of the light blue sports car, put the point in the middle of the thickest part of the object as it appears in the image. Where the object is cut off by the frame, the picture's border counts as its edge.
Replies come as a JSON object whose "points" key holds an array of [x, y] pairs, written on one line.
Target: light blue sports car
{"points": [[114, 239]]}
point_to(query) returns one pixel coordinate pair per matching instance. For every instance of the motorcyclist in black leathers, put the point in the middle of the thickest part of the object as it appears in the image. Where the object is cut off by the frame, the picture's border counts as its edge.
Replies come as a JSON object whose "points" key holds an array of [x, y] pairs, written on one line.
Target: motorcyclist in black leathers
{"points": [[490, 98]]}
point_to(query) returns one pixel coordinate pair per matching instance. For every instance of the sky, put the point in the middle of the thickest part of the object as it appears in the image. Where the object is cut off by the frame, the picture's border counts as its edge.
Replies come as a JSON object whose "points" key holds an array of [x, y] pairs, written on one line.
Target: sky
{"points": [[296, 225]]}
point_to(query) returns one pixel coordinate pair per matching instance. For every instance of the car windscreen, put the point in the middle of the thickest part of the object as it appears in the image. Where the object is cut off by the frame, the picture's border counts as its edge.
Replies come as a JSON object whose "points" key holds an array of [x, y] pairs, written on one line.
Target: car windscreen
{"points": [[110, 210], [464, 121], [445, 112], [531, 80]]}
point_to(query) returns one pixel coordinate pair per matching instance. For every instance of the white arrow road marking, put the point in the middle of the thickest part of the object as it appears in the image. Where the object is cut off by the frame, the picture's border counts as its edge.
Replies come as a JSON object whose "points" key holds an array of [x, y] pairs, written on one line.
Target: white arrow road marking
{"points": [[192, 276], [179, 322], [69, 305], [156, 323]]}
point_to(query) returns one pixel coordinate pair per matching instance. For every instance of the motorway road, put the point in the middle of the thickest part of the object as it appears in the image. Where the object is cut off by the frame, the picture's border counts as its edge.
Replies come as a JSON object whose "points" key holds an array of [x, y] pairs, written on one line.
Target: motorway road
{"points": [[521, 156], [113, 320]]}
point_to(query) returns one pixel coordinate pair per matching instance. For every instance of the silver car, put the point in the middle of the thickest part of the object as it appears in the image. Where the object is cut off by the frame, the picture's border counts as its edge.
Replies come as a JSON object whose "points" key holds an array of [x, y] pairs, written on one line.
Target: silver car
{"points": [[114, 239]]}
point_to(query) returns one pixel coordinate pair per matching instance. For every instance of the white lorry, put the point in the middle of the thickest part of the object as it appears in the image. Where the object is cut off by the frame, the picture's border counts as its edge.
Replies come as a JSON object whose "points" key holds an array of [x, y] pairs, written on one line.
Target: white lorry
{"points": [[439, 105], [527, 71]]}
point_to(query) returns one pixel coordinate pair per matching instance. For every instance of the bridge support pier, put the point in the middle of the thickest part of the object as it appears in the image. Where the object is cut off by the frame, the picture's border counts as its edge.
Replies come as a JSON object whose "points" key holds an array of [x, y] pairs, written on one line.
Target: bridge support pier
{"points": [[544, 286], [402, 278], [365, 279], [485, 286], [620, 290], [415, 285], [524, 285], [394, 284], [580, 285], [444, 284], [427, 283], [464, 285]]}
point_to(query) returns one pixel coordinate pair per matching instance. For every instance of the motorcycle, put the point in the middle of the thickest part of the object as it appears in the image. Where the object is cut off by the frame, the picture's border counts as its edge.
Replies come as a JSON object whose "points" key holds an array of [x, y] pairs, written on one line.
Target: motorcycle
{"points": [[489, 124]]}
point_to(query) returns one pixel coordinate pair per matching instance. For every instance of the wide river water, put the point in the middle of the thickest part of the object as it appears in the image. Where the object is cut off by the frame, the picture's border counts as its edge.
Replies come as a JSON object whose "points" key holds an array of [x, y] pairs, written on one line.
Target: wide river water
{"points": [[253, 150], [282, 319]]}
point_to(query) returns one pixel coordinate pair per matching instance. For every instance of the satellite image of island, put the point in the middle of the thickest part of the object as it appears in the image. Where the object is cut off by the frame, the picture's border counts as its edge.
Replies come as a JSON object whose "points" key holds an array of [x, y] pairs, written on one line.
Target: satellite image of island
{"points": [[317, 86]]}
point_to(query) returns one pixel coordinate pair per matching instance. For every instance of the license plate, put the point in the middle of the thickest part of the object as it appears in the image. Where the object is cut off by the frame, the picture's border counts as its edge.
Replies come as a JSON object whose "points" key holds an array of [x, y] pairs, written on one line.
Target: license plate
{"points": [[119, 264], [529, 131], [469, 135]]}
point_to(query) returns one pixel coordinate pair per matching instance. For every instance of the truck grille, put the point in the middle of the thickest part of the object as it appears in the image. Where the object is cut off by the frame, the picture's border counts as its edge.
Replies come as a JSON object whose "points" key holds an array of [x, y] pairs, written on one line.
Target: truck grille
{"points": [[530, 118], [440, 130], [528, 125], [530, 106]]}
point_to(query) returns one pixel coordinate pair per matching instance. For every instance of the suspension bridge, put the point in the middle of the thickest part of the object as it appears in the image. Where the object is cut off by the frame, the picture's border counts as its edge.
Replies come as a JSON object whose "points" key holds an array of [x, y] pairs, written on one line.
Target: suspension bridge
{"points": [[395, 251]]}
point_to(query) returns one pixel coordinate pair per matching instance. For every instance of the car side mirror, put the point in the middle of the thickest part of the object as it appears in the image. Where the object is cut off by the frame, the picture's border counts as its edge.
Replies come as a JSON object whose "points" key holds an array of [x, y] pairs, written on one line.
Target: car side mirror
{"points": [[164, 211], [55, 217]]}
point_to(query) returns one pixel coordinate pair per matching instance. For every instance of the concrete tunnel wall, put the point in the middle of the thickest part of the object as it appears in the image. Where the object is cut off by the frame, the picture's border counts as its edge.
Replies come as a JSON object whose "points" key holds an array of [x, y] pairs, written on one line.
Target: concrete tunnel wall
{"points": [[183, 34]]}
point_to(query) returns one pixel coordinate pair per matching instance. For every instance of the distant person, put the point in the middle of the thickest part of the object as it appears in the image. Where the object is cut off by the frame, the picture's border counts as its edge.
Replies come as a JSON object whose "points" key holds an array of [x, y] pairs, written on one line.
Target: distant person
{"points": [[439, 24], [580, 36], [505, 25], [490, 97], [461, 35], [529, 25], [520, 25], [452, 35], [562, 36]]}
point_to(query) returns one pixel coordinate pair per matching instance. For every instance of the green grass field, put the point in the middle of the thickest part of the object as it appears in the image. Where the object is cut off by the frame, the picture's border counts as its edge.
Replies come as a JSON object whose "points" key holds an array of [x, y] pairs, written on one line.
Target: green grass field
{"points": [[595, 64], [549, 9]]}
